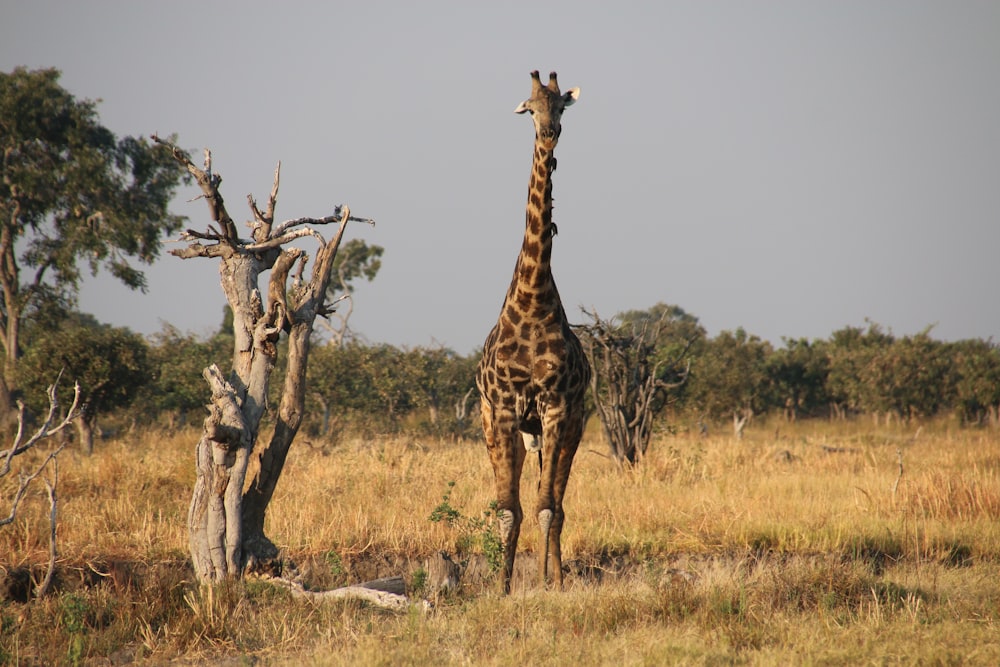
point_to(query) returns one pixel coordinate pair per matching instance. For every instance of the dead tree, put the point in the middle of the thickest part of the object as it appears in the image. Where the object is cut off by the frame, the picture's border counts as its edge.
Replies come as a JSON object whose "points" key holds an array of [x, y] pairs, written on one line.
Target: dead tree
{"points": [[631, 381], [740, 420], [236, 476], [24, 442]]}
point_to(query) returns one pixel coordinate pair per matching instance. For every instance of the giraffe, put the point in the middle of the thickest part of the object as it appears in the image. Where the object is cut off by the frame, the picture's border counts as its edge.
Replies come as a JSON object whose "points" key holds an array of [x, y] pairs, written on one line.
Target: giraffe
{"points": [[533, 373]]}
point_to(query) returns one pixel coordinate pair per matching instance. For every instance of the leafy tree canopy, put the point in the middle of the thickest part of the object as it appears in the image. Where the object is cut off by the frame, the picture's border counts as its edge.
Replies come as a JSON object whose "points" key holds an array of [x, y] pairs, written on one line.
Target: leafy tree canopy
{"points": [[72, 196], [110, 364], [355, 259]]}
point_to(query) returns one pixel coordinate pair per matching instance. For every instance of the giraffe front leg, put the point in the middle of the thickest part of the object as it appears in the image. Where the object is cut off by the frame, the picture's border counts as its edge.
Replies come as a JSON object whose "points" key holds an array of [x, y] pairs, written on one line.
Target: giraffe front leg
{"points": [[556, 466], [507, 458], [547, 509], [510, 530]]}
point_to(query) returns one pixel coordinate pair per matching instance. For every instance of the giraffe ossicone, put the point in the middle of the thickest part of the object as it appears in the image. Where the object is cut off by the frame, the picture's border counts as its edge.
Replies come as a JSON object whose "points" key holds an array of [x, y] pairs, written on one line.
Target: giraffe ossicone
{"points": [[533, 374]]}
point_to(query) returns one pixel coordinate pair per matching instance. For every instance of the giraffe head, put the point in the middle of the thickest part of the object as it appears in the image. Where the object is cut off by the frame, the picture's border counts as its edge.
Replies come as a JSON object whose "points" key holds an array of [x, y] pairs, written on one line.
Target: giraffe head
{"points": [[546, 105]]}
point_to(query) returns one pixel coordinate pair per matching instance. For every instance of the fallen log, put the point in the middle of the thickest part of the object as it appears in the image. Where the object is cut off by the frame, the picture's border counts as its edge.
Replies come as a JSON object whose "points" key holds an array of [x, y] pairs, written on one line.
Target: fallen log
{"points": [[388, 593]]}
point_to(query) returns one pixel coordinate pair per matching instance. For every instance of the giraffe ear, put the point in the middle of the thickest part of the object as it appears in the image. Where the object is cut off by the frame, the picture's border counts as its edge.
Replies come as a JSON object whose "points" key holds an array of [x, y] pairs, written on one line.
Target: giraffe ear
{"points": [[571, 96], [522, 107]]}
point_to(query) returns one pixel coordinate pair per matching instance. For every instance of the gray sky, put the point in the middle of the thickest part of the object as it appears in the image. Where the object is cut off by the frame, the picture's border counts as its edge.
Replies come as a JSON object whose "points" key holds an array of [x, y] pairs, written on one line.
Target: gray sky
{"points": [[788, 167]]}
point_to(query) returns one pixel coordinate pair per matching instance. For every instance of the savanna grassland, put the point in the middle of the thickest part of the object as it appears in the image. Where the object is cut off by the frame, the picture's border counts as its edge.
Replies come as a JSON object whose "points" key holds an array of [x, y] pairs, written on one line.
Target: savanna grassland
{"points": [[799, 544]]}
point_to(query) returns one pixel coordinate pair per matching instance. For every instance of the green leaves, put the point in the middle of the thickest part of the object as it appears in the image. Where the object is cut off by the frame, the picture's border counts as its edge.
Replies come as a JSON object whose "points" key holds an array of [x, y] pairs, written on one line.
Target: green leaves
{"points": [[72, 192], [355, 259], [729, 373], [111, 364], [72, 195]]}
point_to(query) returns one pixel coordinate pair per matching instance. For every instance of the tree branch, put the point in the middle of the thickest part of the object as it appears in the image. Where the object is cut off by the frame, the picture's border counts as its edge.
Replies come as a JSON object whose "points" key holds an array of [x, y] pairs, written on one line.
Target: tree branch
{"points": [[48, 428], [341, 213], [264, 220], [279, 241], [209, 184], [199, 250], [379, 598], [50, 487], [45, 430]]}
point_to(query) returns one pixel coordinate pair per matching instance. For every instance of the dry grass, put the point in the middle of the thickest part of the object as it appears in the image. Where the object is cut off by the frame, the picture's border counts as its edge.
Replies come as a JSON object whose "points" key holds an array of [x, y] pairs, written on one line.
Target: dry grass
{"points": [[798, 545]]}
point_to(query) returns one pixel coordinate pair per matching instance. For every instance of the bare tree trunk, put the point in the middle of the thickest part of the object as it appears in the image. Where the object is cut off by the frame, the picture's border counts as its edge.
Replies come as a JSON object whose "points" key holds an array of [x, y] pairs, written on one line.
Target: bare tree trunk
{"points": [[222, 454], [791, 409], [7, 411], [740, 420], [226, 516], [85, 431], [462, 407], [10, 318]]}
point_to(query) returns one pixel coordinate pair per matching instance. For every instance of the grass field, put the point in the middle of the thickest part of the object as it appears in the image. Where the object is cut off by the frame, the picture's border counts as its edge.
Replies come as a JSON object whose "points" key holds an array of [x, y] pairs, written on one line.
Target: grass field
{"points": [[800, 544]]}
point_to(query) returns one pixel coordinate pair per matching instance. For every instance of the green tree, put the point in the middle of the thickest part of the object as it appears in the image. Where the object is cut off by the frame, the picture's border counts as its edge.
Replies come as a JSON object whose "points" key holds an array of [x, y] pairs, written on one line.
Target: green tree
{"points": [[392, 380], [853, 381], [442, 380], [355, 259], [873, 372], [915, 376], [339, 384], [380, 386], [110, 364], [977, 380], [177, 360], [798, 373], [72, 195], [729, 377]]}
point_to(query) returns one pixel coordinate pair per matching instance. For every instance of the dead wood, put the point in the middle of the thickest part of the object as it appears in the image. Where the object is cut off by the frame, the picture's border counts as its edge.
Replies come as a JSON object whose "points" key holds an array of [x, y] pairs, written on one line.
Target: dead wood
{"points": [[384, 593], [226, 516]]}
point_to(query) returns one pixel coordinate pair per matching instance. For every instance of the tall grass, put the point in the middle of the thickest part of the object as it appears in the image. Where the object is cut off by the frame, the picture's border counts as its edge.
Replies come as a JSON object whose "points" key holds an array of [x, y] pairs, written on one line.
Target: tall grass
{"points": [[798, 543]]}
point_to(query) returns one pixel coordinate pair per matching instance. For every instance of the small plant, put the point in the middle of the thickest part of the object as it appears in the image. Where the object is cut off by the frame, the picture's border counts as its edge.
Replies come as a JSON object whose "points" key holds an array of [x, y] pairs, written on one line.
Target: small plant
{"points": [[473, 530], [488, 538], [335, 563], [419, 583], [74, 621], [444, 511]]}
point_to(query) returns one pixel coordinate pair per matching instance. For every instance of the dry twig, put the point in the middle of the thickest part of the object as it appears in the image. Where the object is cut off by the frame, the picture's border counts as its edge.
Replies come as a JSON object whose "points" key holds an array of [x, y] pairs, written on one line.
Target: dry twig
{"points": [[50, 426]]}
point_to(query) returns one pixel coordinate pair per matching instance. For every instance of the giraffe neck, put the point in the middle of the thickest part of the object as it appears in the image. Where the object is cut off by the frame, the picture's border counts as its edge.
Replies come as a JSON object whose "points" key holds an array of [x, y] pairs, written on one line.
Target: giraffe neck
{"points": [[533, 273]]}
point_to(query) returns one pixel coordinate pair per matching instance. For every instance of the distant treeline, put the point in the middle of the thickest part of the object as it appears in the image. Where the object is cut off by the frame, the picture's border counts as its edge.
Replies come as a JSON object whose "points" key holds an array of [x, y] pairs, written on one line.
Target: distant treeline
{"points": [[378, 388]]}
